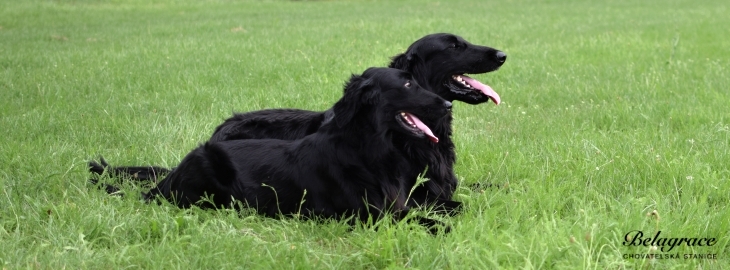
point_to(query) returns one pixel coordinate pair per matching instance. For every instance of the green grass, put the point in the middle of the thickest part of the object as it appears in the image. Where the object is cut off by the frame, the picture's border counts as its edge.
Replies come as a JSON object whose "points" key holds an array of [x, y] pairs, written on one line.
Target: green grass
{"points": [[611, 110]]}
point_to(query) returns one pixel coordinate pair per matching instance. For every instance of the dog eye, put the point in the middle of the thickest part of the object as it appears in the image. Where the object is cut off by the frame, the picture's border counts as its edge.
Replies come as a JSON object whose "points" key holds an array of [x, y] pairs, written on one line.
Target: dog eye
{"points": [[408, 84], [452, 45]]}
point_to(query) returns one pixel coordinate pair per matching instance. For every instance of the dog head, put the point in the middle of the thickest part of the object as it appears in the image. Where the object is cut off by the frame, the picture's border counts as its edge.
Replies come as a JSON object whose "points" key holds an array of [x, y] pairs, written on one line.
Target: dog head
{"points": [[390, 99], [440, 61]]}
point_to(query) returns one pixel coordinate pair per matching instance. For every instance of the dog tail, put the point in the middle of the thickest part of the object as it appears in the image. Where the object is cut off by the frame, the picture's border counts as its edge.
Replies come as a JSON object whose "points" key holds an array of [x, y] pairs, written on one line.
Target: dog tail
{"points": [[137, 173], [98, 169]]}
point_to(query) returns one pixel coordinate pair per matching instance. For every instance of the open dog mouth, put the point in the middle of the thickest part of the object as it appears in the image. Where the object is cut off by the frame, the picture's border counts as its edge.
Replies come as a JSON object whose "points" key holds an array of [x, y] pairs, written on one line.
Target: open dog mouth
{"points": [[416, 126], [465, 83]]}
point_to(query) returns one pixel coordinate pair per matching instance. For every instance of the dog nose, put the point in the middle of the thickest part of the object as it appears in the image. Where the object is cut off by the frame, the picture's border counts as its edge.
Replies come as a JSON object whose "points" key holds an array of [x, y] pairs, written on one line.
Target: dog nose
{"points": [[447, 104], [501, 56]]}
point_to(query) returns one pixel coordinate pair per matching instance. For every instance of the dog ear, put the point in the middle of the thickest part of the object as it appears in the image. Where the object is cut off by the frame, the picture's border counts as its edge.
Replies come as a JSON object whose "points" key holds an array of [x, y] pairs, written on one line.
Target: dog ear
{"points": [[401, 61], [358, 91], [370, 93]]}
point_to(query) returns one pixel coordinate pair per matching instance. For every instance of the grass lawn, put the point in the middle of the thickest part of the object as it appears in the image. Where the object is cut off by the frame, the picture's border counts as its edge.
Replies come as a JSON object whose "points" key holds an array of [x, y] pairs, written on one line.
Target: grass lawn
{"points": [[611, 110]]}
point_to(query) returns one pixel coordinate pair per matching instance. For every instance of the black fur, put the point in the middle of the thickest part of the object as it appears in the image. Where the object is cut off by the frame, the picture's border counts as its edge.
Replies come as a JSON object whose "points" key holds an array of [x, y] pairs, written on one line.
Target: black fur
{"points": [[348, 166], [432, 60]]}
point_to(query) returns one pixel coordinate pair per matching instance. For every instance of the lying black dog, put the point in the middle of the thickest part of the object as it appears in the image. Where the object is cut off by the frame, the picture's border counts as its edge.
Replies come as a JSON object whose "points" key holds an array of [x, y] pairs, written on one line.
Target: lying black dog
{"points": [[438, 62], [349, 166]]}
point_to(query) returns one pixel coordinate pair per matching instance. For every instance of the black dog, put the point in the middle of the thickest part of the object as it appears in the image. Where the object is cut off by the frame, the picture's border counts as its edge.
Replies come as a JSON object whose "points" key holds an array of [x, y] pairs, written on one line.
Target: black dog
{"points": [[438, 62], [349, 166]]}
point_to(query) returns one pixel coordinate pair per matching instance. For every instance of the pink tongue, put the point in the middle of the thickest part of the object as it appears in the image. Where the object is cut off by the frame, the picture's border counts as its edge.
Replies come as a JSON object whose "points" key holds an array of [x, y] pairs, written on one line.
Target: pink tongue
{"points": [[420, 125], [484, 88]]}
